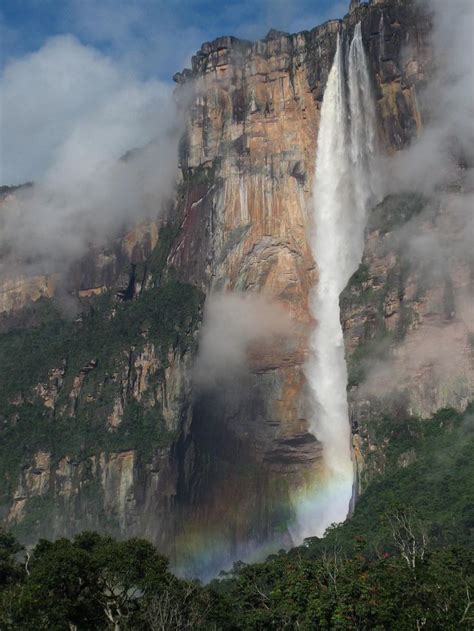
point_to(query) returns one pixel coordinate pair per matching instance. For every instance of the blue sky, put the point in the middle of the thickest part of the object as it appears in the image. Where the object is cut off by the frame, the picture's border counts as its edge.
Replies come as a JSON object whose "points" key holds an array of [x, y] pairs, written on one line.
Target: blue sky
{"points": [[155, 37]]}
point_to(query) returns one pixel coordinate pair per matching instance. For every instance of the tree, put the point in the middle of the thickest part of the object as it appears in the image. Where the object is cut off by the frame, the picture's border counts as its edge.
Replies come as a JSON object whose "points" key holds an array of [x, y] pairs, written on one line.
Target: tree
{"points": [[58, 593], [10, 569], [409, 535], [126, 572], [177, 606]]}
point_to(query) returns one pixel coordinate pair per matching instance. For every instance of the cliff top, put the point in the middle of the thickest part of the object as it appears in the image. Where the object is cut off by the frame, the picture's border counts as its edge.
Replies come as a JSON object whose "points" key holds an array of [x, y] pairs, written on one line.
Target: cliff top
{"points": [[243, 46], [273, 38]]}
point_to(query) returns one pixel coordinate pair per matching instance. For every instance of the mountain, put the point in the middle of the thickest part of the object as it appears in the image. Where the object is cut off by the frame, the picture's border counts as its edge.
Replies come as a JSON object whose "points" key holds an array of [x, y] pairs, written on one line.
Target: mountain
{"points": [[102, 425]]}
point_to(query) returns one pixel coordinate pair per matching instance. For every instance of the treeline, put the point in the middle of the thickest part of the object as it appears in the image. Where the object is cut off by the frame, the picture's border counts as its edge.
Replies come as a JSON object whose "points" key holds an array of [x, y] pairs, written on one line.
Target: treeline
{"points": [[95, 582]]}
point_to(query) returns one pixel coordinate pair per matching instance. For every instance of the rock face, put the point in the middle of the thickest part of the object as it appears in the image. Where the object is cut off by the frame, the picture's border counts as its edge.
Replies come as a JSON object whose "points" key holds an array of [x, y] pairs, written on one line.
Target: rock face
{"points": [[96, 273], [228, 462], [408, 318]]}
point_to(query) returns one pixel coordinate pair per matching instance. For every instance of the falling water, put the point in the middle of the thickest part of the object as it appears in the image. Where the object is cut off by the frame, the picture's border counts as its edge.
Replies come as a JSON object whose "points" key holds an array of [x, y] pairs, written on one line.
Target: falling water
{"points": [[344, 187]]}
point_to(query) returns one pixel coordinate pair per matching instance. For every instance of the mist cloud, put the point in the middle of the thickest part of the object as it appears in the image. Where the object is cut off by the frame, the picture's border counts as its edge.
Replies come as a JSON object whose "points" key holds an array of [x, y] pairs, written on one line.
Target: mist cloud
{"points": [[69, 114], [232, 322], [447, 105]]}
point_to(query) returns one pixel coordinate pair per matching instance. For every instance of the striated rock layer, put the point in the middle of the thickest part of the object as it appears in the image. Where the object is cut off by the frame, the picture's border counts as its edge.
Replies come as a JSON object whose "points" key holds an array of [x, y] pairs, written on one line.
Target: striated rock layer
{"points": [[220, 479]]}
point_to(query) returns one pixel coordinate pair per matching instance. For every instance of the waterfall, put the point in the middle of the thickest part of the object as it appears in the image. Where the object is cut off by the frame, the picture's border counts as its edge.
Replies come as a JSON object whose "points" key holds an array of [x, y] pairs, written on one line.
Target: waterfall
{"points": [[363, 131], [344, 187]]}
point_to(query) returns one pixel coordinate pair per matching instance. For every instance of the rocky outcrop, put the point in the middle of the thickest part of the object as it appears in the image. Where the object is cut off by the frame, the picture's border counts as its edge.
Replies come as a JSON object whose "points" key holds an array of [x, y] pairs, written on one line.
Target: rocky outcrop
{"points": [[101, 270], [18, 291], [85, 477]]}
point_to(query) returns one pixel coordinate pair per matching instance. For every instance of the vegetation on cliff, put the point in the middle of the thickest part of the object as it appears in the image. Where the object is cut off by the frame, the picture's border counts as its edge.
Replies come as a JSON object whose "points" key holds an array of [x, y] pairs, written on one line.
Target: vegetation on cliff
{"points": [[62, 375]]}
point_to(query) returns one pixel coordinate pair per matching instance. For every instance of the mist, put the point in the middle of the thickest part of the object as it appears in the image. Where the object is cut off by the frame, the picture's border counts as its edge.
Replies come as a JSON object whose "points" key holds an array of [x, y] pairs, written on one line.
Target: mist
{"points": [[232, 322], [446, 143], [70, 118]]}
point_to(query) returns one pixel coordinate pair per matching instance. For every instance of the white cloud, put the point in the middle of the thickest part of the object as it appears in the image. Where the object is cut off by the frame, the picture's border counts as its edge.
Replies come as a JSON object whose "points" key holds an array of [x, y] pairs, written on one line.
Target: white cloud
{"points": [[67, 103], [144, 34], [68, 114]]}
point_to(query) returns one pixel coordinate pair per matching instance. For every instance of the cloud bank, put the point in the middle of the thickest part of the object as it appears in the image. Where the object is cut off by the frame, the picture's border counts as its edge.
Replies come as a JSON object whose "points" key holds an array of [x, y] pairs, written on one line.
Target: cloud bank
{"points": [[69, 114], [70, 111]]}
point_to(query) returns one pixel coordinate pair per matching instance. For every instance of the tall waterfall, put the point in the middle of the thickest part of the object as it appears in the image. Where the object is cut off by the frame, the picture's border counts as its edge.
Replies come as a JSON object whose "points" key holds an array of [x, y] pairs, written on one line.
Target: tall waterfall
{"points": [[344, 187]]}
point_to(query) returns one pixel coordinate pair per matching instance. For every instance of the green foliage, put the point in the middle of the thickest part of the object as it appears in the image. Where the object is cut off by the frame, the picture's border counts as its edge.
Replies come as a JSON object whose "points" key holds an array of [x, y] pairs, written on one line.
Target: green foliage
{"points": [[404, 560], [95, 582], [202, 175], [360, 276], [156, 264], [41, 350], [165, 316], [364, 356], [40, 510], [438, 481], [366, 296], [9, 569], [339, 592]]}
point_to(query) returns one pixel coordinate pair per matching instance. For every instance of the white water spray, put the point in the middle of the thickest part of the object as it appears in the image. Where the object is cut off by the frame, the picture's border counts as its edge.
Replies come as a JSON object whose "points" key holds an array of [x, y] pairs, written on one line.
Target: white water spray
{"points": [[344, 186]]}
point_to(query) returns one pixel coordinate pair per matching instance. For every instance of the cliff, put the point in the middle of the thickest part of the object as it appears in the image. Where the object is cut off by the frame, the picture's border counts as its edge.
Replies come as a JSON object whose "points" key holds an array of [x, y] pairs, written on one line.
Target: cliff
{"points": [[102, 427], [408, 321]]}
